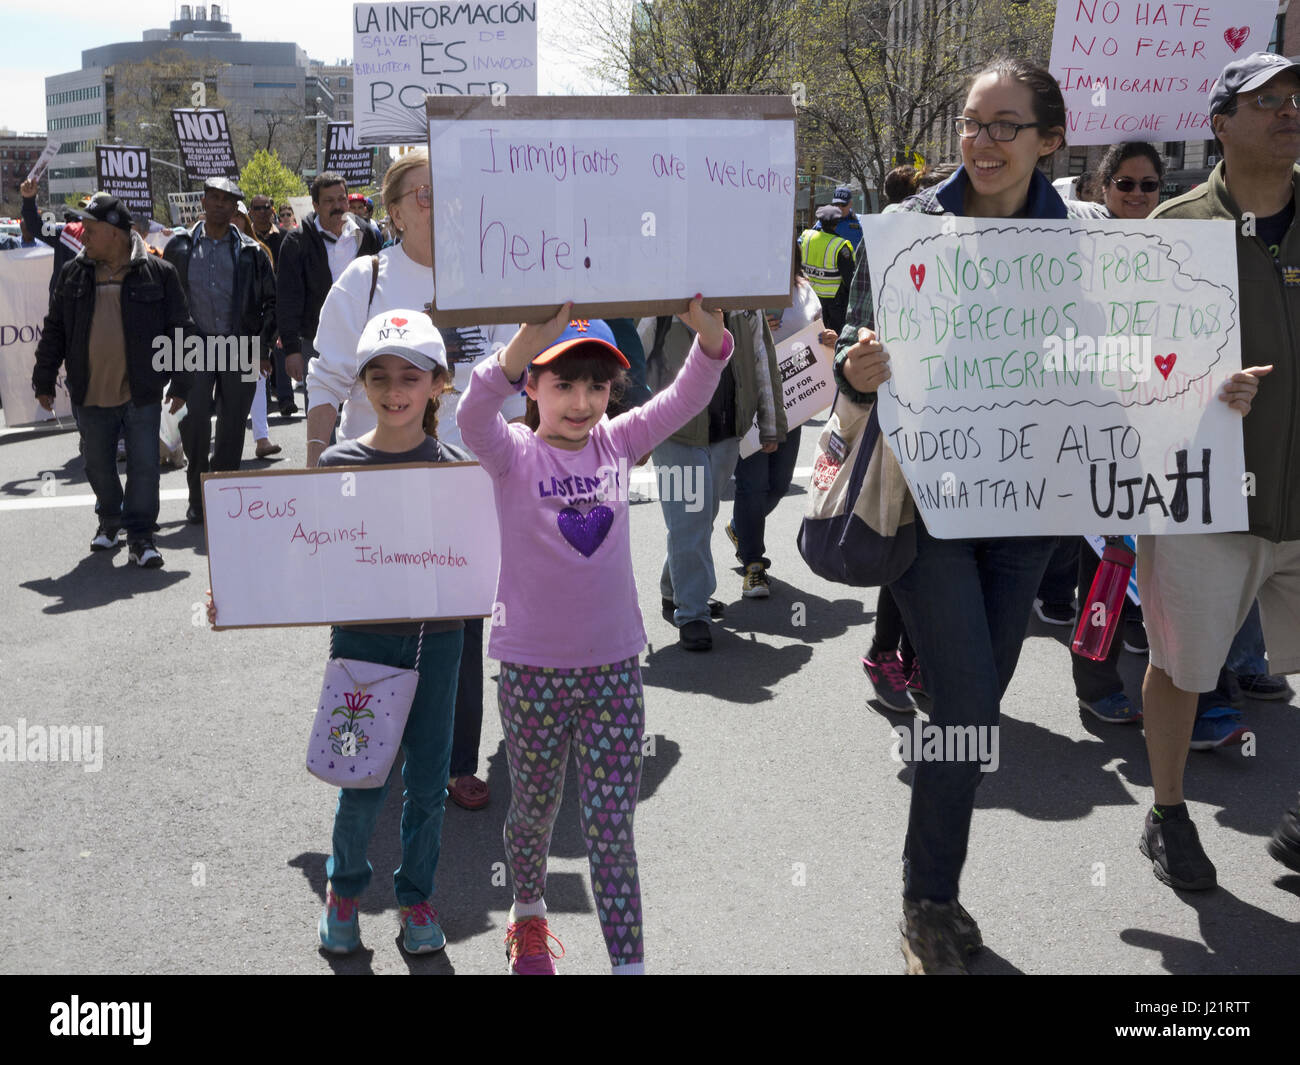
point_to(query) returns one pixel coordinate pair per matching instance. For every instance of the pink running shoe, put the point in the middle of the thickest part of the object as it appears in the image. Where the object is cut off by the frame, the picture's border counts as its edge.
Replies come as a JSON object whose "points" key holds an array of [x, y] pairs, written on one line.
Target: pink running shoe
{"points": [[527, 948], [889, 683]]}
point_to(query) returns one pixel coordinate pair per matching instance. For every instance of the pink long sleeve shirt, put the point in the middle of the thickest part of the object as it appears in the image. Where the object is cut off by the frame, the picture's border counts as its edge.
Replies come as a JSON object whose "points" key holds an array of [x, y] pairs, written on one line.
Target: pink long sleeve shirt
{"points": [[566, 593]]}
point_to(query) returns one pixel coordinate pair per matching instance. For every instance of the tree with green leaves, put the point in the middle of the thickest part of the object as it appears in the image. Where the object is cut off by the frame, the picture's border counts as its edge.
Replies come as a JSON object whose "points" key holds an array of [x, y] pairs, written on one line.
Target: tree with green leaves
{"points": [[265, 175]]}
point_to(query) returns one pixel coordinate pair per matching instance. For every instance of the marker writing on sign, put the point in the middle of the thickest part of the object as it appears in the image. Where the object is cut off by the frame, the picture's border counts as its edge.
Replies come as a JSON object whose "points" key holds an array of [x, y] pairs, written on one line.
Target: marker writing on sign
{"points": [[520, 253]]}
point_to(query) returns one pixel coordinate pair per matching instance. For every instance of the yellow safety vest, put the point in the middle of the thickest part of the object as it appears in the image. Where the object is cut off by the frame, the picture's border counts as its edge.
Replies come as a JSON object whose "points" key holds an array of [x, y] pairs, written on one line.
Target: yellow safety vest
{"points": [[820, 251]]}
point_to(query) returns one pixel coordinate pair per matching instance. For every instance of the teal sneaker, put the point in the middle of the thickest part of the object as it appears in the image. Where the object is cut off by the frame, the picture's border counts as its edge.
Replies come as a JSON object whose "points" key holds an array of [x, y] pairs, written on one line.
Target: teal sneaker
{"points": [[339, 928], [420, 931]]}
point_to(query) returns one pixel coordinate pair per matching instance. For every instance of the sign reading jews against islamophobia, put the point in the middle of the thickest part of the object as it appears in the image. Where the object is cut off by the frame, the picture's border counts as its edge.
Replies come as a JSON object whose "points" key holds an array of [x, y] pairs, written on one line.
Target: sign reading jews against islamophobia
{"points": [[403, 52], [1061, 377], [204, 139], [343, 157], [123, 170], [1141, 70]]}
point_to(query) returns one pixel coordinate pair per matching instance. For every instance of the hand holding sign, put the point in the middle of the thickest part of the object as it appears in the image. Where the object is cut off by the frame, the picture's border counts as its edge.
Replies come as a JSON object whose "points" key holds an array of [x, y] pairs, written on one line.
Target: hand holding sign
{"points": [[866, 363], [1239, 390]]}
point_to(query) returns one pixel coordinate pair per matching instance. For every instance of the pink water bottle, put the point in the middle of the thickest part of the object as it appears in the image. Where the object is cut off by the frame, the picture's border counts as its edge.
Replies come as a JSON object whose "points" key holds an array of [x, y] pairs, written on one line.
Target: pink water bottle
{"points": [[1100, 613]]}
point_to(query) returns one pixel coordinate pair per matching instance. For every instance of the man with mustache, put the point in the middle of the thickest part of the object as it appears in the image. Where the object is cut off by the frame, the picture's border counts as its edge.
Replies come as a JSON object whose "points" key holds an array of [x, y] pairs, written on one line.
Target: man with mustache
{"points": [[311, 258]]}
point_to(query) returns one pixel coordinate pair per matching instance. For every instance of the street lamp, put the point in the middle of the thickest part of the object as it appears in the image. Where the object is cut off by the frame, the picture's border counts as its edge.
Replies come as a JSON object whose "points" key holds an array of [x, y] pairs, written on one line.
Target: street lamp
{"points": [[320, 144]]}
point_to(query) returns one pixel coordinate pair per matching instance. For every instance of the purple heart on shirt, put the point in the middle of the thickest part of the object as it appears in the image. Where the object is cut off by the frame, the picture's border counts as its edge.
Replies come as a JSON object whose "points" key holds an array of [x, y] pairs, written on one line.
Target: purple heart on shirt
{"points": [[586, 532]]}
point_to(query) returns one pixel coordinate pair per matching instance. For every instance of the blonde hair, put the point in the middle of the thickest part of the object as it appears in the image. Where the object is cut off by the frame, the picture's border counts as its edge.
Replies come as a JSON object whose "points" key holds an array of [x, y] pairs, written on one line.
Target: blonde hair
{"points": [[395, 175]]}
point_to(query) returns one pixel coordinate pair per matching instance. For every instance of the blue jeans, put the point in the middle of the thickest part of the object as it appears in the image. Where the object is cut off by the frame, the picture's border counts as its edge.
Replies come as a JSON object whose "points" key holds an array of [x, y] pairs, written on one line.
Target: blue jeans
{"points": [[698, 472], [761, 482], [966, 605], [469, 702], [426, 745], [136, 510]]}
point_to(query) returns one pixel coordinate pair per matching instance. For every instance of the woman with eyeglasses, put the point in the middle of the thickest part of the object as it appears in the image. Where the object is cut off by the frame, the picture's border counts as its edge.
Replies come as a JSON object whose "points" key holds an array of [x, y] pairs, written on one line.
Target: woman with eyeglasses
{"points": [[1130, 175], [965, 602]]}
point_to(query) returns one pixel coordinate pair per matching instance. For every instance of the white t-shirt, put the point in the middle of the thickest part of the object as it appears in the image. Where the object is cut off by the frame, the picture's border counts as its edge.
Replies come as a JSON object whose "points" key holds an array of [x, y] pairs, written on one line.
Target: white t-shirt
{"points": [[332, 378], [343, 250]]}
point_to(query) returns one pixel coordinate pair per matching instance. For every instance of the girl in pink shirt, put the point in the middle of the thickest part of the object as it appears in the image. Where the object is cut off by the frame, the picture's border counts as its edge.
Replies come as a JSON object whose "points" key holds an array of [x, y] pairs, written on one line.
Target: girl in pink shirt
{"points": [[567, 628]]}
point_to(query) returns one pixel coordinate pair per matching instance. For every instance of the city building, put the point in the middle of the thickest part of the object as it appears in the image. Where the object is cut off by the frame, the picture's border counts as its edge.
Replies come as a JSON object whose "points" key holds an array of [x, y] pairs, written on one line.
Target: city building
{"points": [[18, 152]]}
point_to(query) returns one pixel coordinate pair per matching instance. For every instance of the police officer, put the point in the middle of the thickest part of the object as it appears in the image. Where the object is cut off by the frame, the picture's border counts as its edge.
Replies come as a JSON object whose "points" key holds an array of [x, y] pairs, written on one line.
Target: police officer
{"points": [[828, 265]]}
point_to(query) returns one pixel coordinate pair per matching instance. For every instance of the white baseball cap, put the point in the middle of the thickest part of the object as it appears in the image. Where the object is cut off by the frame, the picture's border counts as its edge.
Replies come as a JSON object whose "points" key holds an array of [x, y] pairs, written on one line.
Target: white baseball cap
{"points": [[408, 334]]}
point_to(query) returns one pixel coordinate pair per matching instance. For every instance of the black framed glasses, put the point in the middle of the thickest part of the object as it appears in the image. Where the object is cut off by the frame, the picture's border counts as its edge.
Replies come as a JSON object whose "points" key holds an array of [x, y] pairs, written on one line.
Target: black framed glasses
{"points": [[969, 129], [423, 193], [1272, 101], [1128, 184]]}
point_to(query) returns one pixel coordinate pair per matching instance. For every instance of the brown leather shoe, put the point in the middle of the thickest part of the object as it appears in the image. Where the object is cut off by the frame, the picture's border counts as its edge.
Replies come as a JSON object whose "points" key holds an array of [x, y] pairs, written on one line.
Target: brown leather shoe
{"points": [[468, 792], [265, 447]]}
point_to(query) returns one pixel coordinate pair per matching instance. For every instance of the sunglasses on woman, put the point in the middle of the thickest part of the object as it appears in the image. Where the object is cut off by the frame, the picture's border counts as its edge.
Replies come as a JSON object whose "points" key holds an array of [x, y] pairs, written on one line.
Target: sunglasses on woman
{"points": [[422, 194], [1127, 184]]}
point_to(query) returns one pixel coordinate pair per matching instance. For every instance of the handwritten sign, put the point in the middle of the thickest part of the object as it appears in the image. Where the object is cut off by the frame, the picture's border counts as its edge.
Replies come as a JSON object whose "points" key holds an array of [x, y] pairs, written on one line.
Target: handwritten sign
{"points": [[807, 380], [204, 139], [124, 171], [343, 157], [616, 202], [1060, 377], [351, 544], [50, 150], [403, 52], [1139, 70]]}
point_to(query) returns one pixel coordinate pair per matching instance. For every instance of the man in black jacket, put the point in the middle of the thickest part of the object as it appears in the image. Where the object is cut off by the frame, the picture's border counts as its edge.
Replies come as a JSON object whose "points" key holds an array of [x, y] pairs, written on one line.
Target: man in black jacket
{"points": [[231, 289], [311, 260], [109, 305], [64, 237]]}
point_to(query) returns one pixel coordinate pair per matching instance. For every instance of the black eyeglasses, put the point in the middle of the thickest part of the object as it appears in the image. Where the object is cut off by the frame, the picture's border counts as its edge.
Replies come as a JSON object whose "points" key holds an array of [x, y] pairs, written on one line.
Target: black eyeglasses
{"points": [[422, 194], [1127, 184], [969, 129]]}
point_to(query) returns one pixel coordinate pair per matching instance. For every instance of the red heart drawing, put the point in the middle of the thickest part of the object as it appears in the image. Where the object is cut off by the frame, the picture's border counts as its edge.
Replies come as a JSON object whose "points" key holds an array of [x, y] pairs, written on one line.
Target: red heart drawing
{"points": [[1236, 37], [1165, 363], [918, 276], [398, 321]]}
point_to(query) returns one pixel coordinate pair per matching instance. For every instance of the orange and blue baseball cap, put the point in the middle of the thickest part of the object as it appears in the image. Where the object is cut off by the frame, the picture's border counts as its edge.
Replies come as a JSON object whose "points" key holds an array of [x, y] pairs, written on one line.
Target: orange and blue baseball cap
{"points": [[592, 331]]}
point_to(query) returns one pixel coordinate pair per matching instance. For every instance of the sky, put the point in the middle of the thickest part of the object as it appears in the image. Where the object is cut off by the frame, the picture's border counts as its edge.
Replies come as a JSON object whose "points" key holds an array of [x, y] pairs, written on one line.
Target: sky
{"points": [[47, 37]]}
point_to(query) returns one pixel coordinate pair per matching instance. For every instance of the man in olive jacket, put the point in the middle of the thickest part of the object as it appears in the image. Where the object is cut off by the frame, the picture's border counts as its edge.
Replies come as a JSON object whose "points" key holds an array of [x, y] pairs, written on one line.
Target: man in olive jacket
{"points": [[1197, 590], [231, 288], [109, 305], [696, 462]]}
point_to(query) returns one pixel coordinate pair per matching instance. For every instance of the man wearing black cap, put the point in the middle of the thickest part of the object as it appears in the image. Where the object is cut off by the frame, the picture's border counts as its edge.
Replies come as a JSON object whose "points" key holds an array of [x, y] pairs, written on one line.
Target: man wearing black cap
{"points": [[231, 287], [110, 303], [1198, 589], [847, 225]]}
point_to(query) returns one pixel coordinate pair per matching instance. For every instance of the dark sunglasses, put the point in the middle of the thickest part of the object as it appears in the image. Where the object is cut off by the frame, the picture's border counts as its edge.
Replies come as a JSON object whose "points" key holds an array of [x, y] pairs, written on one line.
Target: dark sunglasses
{"points": [[1127, 184], [260, 207]]}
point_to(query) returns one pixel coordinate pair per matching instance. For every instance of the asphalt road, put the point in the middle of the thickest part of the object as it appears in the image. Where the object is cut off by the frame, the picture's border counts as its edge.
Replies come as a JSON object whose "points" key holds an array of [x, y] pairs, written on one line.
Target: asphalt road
{"points": [[771, 817]]}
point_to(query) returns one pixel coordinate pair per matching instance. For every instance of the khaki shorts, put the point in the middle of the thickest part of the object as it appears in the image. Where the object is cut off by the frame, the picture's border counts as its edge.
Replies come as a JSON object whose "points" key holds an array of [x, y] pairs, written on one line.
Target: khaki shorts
{"points": [[1196, 592]]}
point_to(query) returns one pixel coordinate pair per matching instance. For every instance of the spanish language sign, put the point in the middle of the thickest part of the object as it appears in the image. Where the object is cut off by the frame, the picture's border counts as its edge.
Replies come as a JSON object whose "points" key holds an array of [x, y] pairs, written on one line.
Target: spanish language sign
{"points": [[343, 157], [124, 171], [344, 544], [185, 208], [402, 52], [615, 202], [24, 301], [1138, 70], [1061, 377], [807, 380], [204, 139]]}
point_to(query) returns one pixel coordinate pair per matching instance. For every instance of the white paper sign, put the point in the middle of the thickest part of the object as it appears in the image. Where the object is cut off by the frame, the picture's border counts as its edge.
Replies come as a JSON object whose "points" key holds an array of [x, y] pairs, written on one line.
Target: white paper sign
{"points": [[807, 380], [351, 544], [1061, 377], [403, 52], [185, 208], [24, 301], [529, 212], [50, 150], [1140, 70]]}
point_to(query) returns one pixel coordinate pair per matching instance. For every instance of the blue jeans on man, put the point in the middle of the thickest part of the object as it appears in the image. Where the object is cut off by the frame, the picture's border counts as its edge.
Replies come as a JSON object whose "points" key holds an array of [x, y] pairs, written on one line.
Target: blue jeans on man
{"points": [[966, 605], [426, 747], [136, 509], [690, 490], [762, 480]]}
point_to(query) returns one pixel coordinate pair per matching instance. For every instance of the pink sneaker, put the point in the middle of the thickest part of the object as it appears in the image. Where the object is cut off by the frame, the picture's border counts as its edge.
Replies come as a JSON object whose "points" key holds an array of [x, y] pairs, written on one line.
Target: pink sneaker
{"points": [[527, 948]]}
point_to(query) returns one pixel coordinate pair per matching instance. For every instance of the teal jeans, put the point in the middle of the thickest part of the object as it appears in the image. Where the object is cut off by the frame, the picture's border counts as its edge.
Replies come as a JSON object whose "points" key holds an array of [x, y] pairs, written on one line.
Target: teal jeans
{"points": [[426, 747]]}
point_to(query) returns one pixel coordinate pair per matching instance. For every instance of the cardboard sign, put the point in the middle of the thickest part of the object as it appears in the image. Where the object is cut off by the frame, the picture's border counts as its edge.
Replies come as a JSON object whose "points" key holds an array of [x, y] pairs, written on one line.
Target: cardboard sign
{"points": [[807, 380], [204, 139], [50, 150], [1060, 377], [403, 52], [1137, 70], [342, 157], [351, 544], [627, 205], [185, 208], [24, 301], [124, 171]]}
